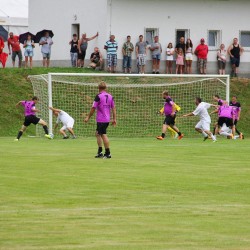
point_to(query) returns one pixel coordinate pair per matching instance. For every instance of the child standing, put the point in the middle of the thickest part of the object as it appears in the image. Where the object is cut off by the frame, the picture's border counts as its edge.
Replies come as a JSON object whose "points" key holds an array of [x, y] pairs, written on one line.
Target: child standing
{"points": [[169, 58], [179, 61]]}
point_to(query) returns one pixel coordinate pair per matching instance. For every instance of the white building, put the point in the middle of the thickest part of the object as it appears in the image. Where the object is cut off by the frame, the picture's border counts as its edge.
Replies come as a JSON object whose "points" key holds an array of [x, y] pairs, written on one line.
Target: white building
{"points": [[218, 21]]}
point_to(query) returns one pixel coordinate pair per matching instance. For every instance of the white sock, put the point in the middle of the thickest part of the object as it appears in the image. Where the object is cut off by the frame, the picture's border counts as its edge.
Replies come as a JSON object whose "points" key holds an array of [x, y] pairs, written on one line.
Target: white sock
{"points": [[204, 134], [213, 137], [225, 134]]}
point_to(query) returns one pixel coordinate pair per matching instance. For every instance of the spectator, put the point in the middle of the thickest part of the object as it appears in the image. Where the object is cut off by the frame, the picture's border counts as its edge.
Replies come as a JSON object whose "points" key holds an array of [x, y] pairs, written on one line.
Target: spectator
{"points": [[201, 52], [169, 58], [141, 53], [181, 45], [222, 58], [127, 50], [29, 52], [13, 41], [73, 50], [235, 51], [96, 59], [111, 47], [3, 56], [179, 61], [46, 43], [156, 54], [82, 48], [189, 56]]}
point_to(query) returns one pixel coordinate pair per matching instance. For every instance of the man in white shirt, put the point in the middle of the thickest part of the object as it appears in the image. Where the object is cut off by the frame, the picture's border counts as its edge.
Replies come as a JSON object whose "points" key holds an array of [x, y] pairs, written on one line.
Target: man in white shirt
{"points": [[67, 121], [203, 126]]}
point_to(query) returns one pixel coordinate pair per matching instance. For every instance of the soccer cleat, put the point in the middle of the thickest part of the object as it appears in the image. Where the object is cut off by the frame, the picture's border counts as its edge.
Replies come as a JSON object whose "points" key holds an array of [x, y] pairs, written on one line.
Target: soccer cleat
{"points": [[74, 137], [205, 138], [16, 139], [65, 137], [159, 138], [106, 156], [214, 140], [100, 155], [180, 136], [48, 136]]}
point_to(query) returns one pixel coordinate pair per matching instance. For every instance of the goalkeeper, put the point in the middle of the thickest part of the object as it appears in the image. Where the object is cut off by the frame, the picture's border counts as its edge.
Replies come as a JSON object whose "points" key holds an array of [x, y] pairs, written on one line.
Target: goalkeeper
{"points": [[67, 121], [170, 110]]}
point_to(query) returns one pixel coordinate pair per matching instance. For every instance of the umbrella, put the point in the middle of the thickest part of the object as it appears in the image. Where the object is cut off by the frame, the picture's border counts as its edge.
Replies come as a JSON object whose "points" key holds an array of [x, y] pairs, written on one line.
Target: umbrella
{"points": [[41, 33], [23, 37], [3, 33]]}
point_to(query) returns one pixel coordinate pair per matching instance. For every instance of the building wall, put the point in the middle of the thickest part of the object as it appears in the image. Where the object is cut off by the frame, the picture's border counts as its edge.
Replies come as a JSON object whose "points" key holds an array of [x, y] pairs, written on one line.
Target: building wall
{"points": [[133, 16]]}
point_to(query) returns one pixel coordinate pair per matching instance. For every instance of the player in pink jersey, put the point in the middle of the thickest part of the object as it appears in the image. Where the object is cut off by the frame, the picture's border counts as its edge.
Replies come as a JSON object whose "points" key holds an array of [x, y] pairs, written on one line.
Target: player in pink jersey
{"points": [[226, 115], [237, 111], [170, 115], [30, 117], [103, 104]]}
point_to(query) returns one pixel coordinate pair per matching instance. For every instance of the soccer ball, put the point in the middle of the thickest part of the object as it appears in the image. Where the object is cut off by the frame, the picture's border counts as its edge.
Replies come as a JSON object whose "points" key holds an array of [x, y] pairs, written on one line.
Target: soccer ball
{"points": [[51, 135]]}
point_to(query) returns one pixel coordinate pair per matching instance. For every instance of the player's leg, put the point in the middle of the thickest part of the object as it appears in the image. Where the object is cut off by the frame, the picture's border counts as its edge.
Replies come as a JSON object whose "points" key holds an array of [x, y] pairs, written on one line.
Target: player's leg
{"points": [[102, 131], [20, 132], [20, 58], [164, 129], [177, 131], [62, 132], [13, 57], [44, 125], [205, 126]]}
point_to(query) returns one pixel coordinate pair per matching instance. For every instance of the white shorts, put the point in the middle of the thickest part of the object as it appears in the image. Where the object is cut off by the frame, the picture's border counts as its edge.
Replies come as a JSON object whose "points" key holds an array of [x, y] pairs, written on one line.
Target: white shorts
{"points": [[204, 126], [189, 57], [69, 124]]}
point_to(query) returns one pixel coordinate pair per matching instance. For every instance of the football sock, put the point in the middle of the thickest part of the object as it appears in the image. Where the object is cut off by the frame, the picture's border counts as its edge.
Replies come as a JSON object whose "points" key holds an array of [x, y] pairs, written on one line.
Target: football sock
{"points": [[99, 150], [204, 134], [45, 128], [237, 131], [19, 134], [107, 151], [163, 135], [225, 133], [179, 133]]}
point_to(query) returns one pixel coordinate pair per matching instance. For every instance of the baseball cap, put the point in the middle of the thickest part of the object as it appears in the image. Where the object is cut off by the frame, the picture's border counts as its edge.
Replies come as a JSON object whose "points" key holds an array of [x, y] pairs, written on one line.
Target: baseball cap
{"points": [[202, 40]]}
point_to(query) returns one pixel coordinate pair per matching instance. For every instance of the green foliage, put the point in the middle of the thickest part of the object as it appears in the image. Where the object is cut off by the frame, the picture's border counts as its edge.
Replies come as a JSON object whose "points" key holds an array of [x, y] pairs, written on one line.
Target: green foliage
{"points": [[170, 194]]}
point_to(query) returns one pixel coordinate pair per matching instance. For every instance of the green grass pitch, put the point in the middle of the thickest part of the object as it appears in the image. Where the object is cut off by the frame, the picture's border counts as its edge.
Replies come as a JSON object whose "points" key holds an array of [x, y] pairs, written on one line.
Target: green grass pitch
{"points": [[170, 194]]}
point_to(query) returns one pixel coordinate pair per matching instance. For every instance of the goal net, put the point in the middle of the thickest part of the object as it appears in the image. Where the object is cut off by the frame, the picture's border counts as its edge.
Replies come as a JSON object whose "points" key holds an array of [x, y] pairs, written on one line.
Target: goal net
{"points": [[137, 98]]}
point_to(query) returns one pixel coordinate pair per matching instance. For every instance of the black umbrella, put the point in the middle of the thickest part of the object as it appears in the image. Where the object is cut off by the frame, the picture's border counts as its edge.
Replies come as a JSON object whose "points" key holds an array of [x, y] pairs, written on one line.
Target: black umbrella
{"points": [[3, 33], [41, 33], [23, 37]]}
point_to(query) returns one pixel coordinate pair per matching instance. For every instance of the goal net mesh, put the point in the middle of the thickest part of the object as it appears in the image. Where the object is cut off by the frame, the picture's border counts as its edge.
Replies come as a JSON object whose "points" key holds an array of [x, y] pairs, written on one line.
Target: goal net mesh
{"points": [[137, 98]]}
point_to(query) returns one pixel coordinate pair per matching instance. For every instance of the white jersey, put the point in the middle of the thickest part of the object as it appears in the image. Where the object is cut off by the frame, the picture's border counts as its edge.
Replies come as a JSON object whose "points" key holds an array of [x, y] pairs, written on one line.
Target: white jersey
{"points": [[64, 117], [201, 110]]}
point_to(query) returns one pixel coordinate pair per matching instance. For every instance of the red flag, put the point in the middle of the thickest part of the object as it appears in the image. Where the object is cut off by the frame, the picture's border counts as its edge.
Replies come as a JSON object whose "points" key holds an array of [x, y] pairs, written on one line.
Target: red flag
{"points": [[3, 58]]}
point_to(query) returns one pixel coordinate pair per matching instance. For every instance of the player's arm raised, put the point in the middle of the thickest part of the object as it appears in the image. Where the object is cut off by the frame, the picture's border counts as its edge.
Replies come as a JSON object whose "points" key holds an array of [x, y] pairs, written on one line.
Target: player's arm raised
{"points": [[18, 104], [54, 110], [189, 114]]}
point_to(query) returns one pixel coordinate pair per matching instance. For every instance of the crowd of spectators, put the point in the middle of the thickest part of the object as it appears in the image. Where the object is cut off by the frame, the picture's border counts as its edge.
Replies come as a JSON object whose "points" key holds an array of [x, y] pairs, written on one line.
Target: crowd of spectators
{"points": [[181, 55]]}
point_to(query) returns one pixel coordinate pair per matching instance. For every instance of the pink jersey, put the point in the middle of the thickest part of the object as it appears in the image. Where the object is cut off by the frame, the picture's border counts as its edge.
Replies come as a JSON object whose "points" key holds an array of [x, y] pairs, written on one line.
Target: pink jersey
{"points": [[28, 107], [103, 104], [226, 111], [236, 108], [168, 106]]}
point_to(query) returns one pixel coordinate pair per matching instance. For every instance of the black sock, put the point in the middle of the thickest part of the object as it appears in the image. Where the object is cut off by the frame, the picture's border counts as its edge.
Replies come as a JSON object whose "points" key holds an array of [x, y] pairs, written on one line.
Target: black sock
{"points": [[179, 133], [45, 128], [107, 151], [163, 135], [19, 134], [237, 131], [99, 150], [214, 130]]}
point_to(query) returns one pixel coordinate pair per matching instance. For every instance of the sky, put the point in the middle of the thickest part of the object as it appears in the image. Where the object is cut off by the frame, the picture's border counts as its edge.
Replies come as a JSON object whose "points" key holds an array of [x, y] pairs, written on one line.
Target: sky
{"points": [[14, 8]]}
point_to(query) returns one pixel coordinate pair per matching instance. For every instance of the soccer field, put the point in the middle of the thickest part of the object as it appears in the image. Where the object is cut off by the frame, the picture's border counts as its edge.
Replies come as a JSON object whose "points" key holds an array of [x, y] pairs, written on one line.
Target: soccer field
{"points": [[170, 194]]}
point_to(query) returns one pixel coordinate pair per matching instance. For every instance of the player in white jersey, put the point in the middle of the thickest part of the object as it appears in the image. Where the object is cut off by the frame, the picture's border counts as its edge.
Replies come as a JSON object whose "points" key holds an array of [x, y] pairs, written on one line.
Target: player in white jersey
{"points": [[203, 126], [66, 120]]}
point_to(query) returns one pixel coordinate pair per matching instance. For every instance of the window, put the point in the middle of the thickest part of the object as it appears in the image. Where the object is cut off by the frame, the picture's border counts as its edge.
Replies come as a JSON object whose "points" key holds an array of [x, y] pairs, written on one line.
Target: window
{"points": [[214, 39], [181, 33], [150, 33], [245, 38]]}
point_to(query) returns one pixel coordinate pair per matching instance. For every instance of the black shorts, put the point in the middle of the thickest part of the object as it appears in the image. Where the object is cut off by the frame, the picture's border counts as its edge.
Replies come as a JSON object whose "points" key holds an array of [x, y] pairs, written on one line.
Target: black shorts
{"points": [[169, 120], [101, 128], [30, 119], [82, 55], [235, 61], [228, 121]]}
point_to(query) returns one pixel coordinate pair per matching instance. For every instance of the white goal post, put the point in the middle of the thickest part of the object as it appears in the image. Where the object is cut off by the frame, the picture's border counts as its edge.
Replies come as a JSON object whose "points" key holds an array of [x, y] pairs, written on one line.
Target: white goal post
{"points": [[137, 97]]}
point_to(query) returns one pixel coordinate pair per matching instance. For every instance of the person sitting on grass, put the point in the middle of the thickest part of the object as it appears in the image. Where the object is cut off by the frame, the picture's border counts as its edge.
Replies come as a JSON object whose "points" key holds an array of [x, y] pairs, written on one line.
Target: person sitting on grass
{"points": [[67, 121]]}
